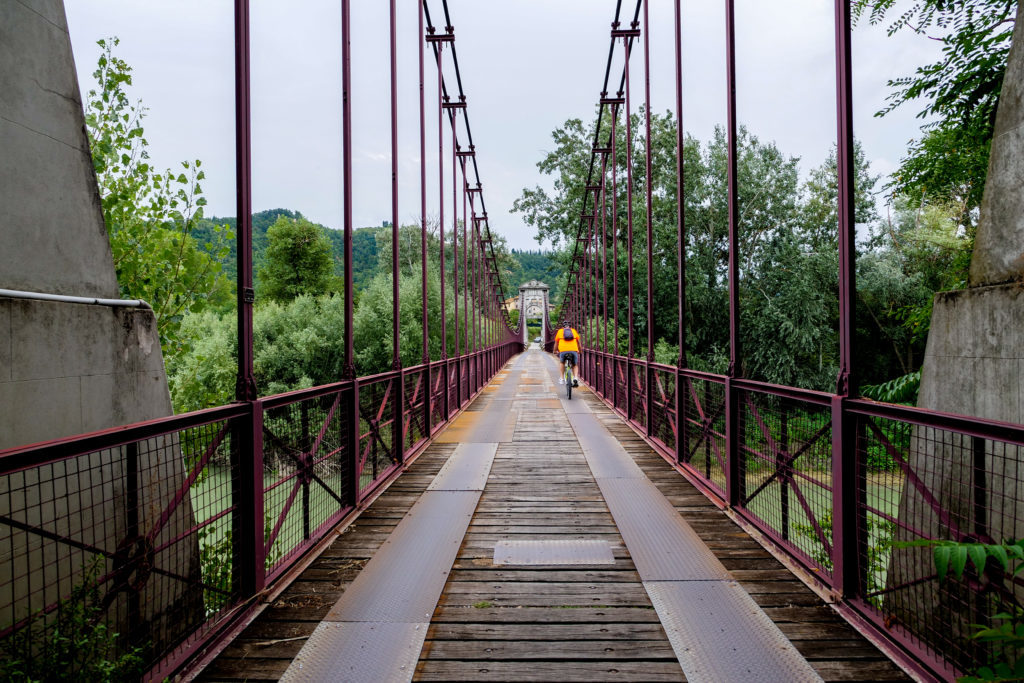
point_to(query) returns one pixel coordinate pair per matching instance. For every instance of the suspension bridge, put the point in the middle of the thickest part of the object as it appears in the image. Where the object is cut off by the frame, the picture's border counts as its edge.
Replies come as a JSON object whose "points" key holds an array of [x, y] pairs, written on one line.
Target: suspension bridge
{"points": [[460, 519]]}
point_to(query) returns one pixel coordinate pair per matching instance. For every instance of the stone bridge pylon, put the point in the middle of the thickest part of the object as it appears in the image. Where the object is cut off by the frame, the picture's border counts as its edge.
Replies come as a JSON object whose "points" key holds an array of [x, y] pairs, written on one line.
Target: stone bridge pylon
{"points": [[533, 303]]}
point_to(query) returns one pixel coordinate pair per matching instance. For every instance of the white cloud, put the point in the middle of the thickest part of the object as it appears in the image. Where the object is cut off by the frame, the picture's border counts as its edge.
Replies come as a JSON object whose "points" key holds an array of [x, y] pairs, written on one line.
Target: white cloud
{"points": [[527, 66]]}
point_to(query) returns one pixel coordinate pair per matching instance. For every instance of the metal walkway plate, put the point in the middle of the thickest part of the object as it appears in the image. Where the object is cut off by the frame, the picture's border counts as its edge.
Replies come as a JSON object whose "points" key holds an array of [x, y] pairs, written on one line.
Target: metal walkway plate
{"points": [[496, 424], [403, 581], [553, 552], [720, 634], [605, 455], [359, 653], [466, 469], [663, 546]]}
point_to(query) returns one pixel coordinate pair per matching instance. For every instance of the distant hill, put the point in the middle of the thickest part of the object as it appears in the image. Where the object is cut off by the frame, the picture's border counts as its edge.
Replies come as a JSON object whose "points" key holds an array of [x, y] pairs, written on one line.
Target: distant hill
{"points": [[364, 244], [533, 265], [536, 265]]}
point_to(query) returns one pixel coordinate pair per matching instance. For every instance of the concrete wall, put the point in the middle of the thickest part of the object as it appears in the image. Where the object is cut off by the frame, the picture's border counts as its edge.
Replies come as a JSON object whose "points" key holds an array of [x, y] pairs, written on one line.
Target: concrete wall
{"points": [[974, 360], [999, 245], [70, 368], [973, 365], [51, 222], [66, 369]]}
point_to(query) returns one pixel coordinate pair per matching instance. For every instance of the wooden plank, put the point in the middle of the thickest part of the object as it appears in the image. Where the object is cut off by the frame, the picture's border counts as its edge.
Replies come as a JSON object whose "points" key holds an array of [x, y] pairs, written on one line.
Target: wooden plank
{"points": [[546, 632], [566, 671], [553, 650]]}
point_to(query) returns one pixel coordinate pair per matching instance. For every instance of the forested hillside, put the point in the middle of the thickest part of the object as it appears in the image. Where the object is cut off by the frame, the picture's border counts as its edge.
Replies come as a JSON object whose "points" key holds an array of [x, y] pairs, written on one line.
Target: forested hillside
{"points": [[364, 244]]}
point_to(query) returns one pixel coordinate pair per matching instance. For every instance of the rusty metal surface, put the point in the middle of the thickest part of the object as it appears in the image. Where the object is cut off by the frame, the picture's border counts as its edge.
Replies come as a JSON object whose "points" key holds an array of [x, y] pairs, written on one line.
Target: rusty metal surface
{"points": [[486, 426], [359, 653], [553, 552], [404, 579], [466, 469], [663, 546], [605, 455], [720, 634]]}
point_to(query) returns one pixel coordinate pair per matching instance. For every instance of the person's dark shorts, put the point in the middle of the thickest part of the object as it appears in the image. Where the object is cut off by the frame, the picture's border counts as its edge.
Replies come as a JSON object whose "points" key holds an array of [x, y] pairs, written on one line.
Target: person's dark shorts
{"points": [[566, 354]]}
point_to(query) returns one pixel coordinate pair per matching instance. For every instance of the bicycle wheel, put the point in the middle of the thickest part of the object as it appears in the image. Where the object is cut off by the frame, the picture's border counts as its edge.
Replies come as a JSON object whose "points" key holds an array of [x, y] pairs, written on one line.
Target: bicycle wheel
{"points": [[568, 382]]}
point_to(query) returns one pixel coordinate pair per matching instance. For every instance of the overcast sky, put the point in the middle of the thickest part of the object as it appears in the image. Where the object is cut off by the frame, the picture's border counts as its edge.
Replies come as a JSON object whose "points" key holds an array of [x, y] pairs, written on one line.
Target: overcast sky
{"points": [[526, 65]]}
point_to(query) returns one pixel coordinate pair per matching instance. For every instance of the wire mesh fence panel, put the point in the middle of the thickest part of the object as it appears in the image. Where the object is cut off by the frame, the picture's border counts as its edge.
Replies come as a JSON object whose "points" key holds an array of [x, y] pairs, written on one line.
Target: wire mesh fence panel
{"points": [[453, 388], [663, 407], [608, 368], [919, 483], [112, 560], [464, 389], [786, 472], [414, 421], [704, 446], [638, 392], [620, 397], [377, 455], [472, 373], [307, 473], [438, 409]]}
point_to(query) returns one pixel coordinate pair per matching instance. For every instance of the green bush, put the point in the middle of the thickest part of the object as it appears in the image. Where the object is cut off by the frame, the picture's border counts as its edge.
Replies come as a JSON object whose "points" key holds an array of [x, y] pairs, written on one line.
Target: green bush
{"points": [[72, 643]]}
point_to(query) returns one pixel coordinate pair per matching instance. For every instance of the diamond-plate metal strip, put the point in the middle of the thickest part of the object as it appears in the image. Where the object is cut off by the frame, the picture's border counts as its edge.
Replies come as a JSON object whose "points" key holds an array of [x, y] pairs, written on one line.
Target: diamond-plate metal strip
{"points": [[605, 455], [553, 552], [496, 424], [719, 633], [663, 546], [405, 577], [466, 469], [359, 653]]}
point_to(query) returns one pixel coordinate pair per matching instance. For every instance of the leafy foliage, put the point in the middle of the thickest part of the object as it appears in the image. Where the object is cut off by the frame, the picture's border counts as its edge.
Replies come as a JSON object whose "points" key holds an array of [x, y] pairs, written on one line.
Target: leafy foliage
{"points": [[951, 560], [151, 216], [297, 260], [72, 643], [960, 91]]}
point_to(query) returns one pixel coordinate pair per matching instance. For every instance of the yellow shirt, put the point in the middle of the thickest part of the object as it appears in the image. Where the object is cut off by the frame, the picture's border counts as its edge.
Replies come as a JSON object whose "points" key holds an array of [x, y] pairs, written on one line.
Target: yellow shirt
{"points": [[563, 344]]}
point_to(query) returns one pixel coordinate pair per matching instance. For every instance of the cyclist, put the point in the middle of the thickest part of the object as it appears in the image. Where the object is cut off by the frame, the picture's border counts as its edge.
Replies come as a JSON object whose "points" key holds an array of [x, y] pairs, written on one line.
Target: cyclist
{"points": [[567, 344]]}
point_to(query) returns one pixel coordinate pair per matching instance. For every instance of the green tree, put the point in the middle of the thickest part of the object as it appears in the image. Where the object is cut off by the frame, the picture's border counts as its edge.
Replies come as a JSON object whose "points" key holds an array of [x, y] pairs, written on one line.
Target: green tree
{"points": [[297, 260], [960, 91], [151, 217]]}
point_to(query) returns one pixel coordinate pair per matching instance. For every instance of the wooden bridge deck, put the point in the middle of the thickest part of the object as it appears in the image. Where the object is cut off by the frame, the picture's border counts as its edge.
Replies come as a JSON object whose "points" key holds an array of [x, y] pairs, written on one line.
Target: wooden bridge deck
{"points": [[582, 623]]}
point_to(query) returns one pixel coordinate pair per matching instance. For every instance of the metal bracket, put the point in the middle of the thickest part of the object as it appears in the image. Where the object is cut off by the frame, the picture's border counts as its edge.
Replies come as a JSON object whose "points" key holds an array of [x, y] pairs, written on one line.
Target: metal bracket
{"points": [[632, 32], [447, 37], [617, 101], [248, 295], [448, 104]]}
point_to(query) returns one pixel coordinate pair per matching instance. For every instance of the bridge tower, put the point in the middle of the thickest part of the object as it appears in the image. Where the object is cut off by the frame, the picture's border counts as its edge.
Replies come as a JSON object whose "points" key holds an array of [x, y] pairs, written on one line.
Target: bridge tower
{"points": [[533, 304], [74, 358]]}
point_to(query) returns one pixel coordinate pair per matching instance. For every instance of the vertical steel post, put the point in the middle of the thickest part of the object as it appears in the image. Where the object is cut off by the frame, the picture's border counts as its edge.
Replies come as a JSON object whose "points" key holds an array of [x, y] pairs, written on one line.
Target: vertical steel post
{"points": [[629, 241], [682, 432], [604, 272], [735, 477], [427, 397], [615, 260], [848, 513], [346, 151], [455, 260], [648, 183], [440, 185], [247, 451], [464, 330], [398, 423]]}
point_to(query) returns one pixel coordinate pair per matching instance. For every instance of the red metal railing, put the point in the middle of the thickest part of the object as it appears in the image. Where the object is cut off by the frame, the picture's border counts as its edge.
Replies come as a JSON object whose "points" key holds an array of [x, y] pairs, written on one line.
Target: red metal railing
{"points": [[182, 523], [837, 485], [909, 474]]}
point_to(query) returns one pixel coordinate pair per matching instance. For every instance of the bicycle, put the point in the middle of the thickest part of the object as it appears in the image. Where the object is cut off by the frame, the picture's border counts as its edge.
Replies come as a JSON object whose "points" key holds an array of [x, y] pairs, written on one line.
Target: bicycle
{"points": [[568, 378]]}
